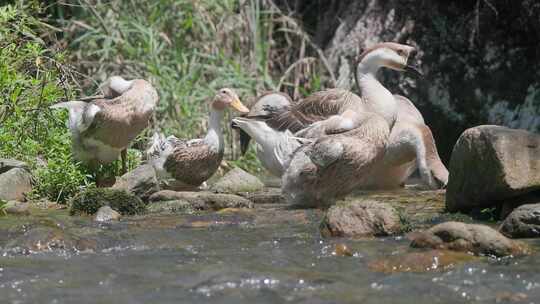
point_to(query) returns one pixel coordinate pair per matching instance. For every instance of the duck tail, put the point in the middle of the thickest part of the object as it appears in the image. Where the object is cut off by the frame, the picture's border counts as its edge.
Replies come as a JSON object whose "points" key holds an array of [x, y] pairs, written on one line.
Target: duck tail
{"points": [[156, 146], [81, 114]]}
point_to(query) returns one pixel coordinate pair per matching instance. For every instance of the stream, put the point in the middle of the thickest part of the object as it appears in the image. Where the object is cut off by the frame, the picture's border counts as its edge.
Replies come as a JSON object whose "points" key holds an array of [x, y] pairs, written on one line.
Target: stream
{"points": [[269, 254]]}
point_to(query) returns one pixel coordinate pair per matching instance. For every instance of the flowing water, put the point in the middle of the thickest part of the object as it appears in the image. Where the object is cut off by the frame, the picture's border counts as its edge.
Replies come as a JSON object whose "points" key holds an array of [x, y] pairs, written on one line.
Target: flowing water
{"points": [[265, 255]]}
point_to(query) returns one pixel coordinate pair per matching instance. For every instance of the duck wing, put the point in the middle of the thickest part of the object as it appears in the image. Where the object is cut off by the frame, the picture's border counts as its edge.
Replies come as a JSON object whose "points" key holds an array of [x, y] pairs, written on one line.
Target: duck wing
{"points": [[316, 107], [193, 162], [122, 118]]}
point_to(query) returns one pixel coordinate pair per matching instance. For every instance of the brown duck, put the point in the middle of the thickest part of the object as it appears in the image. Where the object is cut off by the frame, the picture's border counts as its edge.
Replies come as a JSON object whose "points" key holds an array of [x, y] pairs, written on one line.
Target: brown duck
{"points": [[189, 163], [103, 128]]}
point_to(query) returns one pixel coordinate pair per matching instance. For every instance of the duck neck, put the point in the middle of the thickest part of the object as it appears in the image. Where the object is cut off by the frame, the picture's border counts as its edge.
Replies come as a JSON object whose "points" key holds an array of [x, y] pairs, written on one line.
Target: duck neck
{"points": [[214, 136], [374, 93]]}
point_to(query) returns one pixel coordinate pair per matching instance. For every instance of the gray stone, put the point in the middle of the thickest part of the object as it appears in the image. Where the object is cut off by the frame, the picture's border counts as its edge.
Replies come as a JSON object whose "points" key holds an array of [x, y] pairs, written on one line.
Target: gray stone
{"points": [[141, 181], [8, 164], [491, 164], [15, 180], [167, 200], [523, 222], [17, 208], [478, 239], [365, 218], [106, 214], [237, 181]]}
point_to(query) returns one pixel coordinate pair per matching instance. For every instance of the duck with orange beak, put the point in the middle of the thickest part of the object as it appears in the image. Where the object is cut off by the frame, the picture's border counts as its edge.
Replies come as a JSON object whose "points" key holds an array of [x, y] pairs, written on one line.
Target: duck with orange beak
{"points": [[186, 164]]}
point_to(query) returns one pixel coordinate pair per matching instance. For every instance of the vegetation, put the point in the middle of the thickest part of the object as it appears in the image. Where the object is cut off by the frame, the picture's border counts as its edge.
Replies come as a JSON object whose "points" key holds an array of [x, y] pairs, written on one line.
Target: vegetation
{"points": [[32, 77], [3, 207]]}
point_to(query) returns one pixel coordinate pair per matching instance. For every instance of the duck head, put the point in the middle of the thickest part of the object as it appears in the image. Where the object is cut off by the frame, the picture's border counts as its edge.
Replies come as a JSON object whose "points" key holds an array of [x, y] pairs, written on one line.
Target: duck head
{"points": [[228, 98], [391, 55]]}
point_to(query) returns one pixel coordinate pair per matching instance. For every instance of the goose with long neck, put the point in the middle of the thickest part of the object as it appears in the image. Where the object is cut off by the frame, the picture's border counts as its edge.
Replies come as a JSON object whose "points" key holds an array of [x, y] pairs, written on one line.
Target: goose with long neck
{"points": [[186, 164], [102, 129], [336, 110]]}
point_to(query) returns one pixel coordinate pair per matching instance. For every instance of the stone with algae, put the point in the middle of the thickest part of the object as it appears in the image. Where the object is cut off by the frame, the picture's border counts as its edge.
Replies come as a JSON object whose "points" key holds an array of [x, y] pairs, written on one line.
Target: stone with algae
{"points": [[89, 201]]}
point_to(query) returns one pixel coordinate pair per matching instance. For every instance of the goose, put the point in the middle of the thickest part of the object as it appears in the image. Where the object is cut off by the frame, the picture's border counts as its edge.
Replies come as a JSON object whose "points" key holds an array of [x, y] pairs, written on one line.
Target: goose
{"points": [[411, 147], [336, 110], [103, 129], [273, 147], [189, 163], [411, 143]]}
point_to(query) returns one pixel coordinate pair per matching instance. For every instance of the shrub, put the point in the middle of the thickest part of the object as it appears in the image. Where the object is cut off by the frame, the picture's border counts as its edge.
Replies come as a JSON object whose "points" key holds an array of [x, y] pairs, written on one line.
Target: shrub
{"points": [[32, 77]]}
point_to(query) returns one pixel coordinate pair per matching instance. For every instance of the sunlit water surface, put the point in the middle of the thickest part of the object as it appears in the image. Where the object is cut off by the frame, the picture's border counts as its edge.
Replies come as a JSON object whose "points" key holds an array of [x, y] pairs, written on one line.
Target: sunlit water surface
{"points": [[159, 260]]}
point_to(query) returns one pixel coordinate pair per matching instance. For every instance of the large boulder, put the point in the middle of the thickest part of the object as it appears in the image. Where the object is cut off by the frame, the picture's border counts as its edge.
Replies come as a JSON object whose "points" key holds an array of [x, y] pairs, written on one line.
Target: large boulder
{"points": [[15, 180], [365, 218], [237, 181], [89, 201], [172, 201], [478, 239], [523, 222], [141, 181], [491, 164]]}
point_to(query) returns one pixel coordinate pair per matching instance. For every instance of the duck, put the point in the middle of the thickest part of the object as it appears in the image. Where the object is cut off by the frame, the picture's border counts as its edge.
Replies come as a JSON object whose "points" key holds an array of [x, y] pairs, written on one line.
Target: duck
{"points": [[103, 128], [187, 164]]}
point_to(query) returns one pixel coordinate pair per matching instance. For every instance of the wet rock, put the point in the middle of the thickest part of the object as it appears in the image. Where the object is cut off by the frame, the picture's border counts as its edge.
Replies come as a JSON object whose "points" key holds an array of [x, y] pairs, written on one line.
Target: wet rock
{"points": [[425, 261], [49, 238], [491, 164], [17, 208], [39, 239], [523, 222], [236, 181], [106, 214], [478, 239], [89, 201], [363, 218], [173, 201], [510, 204], [141, 181], [15, 180], [268, 196]]}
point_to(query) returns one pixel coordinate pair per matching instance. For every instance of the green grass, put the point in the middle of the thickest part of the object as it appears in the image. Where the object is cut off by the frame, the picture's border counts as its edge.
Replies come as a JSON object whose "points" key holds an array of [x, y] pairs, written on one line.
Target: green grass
{"points": [[31, 79], [3, 207]]}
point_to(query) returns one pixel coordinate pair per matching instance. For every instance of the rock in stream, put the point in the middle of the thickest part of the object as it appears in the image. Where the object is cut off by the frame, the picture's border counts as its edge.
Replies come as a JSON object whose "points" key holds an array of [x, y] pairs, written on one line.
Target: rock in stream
{"points": [[478, 239], [15, 180], [491, 164]]}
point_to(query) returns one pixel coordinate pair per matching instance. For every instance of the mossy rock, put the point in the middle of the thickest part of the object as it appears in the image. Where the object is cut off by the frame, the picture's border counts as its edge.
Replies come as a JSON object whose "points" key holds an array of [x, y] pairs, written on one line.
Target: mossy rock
{"points": [[89, 201]]}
